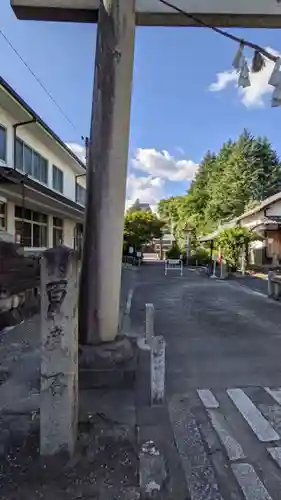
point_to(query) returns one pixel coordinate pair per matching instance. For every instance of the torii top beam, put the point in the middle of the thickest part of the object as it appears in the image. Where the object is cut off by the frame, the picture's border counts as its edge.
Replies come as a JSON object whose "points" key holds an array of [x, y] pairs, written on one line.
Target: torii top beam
{"points": [[229, 13]]}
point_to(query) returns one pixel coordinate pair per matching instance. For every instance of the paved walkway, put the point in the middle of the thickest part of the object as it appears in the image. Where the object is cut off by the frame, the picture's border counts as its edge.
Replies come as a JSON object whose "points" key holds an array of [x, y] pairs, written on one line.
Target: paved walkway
{"points": [[254, 283], [223, 381]]}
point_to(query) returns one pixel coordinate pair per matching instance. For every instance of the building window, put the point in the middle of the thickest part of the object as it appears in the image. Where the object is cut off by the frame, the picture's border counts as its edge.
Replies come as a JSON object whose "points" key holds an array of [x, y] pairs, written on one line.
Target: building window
{"points": [[3, 218], [80, 194], [3, 144], [32, 227], [30, 162], [78, 237], [57, 179], [57, 231]]}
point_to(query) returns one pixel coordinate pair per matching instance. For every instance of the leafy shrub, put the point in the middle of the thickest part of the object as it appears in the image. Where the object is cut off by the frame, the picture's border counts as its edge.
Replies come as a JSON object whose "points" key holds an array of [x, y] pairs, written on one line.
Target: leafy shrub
{"points": [[201, 256], [174, 252], [231, 242]]}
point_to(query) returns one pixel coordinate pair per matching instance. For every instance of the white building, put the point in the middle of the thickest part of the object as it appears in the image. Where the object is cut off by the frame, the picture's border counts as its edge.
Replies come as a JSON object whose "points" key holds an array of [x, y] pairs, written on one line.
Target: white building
{"points": [[42, 182], [265, 220]]}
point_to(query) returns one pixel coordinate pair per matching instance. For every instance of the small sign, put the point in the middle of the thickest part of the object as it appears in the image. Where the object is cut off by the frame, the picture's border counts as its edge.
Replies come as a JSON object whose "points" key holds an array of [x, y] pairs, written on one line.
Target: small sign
{"points": [[131, 250], [139, 255]]}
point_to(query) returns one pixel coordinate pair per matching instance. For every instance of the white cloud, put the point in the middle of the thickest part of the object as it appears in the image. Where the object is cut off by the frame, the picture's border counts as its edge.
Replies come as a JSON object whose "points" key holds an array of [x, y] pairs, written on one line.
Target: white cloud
{"points": [[161, 164], [78, 149], [158, 167], [147, 189], [251, 96]]}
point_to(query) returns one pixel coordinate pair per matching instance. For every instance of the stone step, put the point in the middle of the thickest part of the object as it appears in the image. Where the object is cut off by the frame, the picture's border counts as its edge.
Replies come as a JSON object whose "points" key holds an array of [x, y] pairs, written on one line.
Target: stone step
{"points": [[107, 378]]}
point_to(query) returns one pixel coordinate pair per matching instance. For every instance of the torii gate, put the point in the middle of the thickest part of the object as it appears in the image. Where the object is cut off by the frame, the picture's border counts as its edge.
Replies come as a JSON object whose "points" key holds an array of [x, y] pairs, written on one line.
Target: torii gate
{"points": [[109, 138]]}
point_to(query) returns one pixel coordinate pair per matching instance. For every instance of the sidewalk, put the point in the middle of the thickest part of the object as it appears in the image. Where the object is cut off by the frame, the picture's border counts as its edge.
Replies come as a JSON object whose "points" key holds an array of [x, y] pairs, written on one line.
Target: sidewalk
{"points": [[255, 283]]}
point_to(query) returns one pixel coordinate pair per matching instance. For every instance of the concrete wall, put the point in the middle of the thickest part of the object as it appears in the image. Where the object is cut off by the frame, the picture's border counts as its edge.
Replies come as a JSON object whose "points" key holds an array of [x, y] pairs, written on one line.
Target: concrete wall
{"points": [[274, 209], [68, 228], [10, 217], [271, 211], [252, 220], [273, 246]]}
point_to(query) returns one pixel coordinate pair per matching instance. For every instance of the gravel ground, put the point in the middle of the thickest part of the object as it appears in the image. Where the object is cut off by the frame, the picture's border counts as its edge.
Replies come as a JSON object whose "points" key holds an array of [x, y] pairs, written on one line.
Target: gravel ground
{"points": [[105, 465]]}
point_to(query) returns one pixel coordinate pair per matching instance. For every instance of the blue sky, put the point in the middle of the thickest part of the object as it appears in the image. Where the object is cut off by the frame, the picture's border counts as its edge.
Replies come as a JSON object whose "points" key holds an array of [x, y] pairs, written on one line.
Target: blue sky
{"points": [[184, 96]]}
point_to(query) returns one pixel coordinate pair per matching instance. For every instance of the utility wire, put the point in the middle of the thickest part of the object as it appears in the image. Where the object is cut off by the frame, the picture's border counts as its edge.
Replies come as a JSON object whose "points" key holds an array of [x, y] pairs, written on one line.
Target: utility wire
{"points": [[224, 33], [38, 80], [195, 19]]}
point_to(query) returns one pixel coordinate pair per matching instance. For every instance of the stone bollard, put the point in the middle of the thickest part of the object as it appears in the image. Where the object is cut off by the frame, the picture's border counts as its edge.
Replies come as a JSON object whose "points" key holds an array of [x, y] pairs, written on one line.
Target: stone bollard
{"points": [[157, 370], [270, 284], [276, 291], [223, 271], [59, 351], [149, 323]]}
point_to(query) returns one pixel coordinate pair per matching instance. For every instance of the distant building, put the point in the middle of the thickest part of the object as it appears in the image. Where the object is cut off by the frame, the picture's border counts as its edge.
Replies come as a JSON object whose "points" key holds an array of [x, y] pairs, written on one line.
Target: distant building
{"points": [[163, 245], [138, 206]]}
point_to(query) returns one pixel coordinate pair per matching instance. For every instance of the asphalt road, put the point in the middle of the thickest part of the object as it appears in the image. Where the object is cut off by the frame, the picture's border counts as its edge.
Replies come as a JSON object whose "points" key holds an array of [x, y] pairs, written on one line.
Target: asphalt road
{"points": [[218, 333], [223, 380]]}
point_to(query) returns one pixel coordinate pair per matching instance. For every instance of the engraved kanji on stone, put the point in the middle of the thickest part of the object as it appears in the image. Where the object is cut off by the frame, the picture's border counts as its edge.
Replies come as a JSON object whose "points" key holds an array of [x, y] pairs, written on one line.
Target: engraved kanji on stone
{"points": [[56, 291]]}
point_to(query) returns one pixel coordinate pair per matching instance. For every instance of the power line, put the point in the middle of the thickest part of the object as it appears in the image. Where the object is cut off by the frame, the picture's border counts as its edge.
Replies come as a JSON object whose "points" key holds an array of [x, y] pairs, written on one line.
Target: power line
{"points": [[38, 80], [224, 33]]}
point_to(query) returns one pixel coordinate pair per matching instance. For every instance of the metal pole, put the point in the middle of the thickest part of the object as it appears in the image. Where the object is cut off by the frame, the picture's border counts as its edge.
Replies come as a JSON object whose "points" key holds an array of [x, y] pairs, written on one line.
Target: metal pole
{"points": [[15, 127], [243, 267], [211, 255], [187, 248], [23, 213]]}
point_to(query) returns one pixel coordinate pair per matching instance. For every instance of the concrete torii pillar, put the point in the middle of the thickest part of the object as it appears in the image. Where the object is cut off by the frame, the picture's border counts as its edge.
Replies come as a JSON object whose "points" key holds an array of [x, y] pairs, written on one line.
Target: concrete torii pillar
{"points": [[107, 169], [108, 154], [108, 151]]}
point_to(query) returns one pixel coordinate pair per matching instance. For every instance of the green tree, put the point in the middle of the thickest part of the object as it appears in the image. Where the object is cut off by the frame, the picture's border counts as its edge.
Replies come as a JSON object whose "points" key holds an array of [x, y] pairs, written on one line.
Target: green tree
{"points": [[199, 192], [249, 172], [266, 177], [231, 242], [168, 211], [174, 252], [242, 174], [141, 227]]}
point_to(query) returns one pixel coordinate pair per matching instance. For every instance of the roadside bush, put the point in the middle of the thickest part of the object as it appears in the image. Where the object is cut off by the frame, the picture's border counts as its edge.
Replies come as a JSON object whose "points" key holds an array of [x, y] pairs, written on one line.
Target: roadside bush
{"points": [[231, 242], [201, 256], [174, 252]]}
